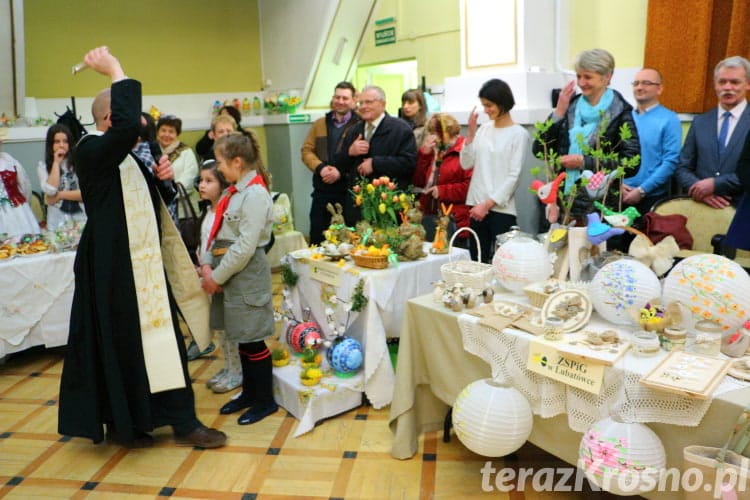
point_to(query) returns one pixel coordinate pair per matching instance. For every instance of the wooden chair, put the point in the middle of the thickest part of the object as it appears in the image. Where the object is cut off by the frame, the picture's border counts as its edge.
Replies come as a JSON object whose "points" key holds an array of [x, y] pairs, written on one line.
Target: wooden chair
{"points": [[707, 225]]}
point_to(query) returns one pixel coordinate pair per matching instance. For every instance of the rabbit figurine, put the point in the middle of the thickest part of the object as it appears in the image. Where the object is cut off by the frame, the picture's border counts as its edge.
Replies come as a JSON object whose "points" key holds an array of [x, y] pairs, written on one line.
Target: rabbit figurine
{"points": [[440, 243]]}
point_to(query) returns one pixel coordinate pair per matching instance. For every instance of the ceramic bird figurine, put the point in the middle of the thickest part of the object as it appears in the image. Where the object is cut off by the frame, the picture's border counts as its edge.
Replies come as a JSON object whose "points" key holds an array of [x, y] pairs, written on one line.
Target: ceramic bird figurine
{"points": [[599, 232], [547, 193], [624, 218]]}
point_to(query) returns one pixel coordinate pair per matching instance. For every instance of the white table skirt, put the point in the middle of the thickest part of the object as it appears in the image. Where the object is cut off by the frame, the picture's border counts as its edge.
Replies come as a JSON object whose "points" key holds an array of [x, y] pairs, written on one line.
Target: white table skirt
{"points": [[332, 396], [388, 290], [37, 295], [507, 352]]}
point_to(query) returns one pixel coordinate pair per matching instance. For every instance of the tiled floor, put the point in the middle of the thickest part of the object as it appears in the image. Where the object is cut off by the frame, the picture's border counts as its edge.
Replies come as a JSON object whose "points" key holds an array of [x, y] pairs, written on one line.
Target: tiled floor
{"points": [[344, 457]]}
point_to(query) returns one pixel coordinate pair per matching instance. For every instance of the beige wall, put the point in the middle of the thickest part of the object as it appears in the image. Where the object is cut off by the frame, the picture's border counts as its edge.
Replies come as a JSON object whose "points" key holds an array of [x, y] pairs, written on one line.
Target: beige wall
{"points": [[173, 46], [429, 30]]}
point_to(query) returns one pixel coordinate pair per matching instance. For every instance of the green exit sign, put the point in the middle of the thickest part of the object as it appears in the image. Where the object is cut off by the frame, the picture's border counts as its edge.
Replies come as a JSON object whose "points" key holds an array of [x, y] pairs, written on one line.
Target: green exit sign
{"points": [[300, 118], [385, 36]]}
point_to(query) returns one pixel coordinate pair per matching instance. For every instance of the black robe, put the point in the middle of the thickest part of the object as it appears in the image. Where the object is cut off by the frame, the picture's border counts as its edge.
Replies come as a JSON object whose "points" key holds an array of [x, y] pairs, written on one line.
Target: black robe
{"points": [[104, 375]]}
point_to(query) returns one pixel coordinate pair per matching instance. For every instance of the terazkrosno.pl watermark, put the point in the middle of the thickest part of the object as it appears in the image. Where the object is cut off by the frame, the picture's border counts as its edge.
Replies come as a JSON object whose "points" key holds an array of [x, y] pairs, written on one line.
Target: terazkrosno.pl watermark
{"points": [[572, 479]]}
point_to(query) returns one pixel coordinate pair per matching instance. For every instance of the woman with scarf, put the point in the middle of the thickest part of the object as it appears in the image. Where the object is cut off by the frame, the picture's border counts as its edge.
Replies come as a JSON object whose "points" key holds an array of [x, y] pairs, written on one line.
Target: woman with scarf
{"points": [[182, 158], [58, 179], [577, 121]]}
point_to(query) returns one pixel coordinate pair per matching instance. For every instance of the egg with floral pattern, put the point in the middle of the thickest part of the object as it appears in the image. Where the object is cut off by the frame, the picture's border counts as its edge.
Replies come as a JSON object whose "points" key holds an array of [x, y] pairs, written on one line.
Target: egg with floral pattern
{"points": [[712, 287], [622, 286]]}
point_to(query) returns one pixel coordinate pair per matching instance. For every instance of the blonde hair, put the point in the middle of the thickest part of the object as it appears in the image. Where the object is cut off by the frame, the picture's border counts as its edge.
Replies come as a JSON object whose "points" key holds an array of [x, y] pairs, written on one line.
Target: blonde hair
{"points": [[238, 145], [223, 119]]}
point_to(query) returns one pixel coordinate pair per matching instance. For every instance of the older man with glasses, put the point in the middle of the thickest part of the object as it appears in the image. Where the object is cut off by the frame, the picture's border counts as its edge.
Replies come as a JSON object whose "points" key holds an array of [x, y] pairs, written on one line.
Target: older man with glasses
{"points": [[660, 136], [379, 145]]}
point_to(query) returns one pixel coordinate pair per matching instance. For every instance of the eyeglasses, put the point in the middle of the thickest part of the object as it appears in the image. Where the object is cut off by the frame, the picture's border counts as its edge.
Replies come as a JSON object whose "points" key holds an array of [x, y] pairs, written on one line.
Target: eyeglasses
{"points": [[645, 83]]}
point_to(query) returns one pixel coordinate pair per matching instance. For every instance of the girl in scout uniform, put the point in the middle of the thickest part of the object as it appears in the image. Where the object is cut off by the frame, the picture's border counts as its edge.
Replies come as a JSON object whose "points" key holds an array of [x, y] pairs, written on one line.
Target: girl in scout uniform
{"points": [[235, 262]]}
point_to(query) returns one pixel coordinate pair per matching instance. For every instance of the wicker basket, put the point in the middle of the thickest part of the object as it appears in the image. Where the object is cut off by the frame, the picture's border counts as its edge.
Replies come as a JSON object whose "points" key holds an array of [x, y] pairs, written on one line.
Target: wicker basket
{"points": [[371, 261], [474, 275], [536, 297]]}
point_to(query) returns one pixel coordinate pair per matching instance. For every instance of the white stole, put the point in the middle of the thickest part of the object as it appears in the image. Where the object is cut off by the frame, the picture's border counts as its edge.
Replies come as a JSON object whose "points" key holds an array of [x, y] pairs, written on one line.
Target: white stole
{"points": [[160, 350]]}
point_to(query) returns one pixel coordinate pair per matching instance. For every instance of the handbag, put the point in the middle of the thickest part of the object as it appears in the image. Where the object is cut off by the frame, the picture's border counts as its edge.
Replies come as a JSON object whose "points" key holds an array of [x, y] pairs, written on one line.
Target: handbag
{"points": [[188, 222], [720, 472], [660, 226]]}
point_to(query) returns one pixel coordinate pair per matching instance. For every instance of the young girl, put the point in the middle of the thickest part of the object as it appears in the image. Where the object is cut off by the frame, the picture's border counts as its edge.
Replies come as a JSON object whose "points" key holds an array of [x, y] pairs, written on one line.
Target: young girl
{"points": [[58, 179], [210, 187], [16, 217], [235, 263]]}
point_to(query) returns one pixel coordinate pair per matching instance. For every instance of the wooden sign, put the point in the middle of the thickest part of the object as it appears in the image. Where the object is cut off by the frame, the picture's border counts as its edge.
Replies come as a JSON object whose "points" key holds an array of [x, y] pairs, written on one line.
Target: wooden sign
{"points": [[688, 374], [582, 373]]}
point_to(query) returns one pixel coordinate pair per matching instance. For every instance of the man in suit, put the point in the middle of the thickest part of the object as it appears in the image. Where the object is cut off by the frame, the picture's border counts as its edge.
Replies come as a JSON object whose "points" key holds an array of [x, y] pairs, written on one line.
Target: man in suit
{"points": [[379, 145], [708, 160]]}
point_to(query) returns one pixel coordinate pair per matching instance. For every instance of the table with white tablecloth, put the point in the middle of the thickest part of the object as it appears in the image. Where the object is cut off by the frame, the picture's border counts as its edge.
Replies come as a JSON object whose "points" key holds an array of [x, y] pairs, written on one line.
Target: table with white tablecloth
{"points": [[388, 290], [438, 358], [37, 292]]}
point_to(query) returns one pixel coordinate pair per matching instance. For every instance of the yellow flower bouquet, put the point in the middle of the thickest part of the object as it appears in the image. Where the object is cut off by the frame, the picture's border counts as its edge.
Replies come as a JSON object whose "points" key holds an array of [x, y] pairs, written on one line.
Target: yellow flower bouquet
{"points": [[380, 201]]}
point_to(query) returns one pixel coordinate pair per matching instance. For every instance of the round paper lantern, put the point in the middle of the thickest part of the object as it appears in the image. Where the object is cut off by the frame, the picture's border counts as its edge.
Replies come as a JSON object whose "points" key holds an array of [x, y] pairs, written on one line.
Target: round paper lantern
{"points": [[345, 356], [491, 419], [521, 261], [712, 287], [301, 335], [621, 286], [622, 458]]}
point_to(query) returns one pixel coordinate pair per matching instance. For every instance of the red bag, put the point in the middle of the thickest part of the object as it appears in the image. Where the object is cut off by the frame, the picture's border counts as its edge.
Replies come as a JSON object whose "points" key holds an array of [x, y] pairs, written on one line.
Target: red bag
{"points": [[659, 227]]}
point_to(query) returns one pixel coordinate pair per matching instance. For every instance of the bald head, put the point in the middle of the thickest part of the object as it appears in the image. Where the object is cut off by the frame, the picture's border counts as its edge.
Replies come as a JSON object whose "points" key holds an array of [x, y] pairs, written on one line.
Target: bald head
{"points": [[100, 109]]}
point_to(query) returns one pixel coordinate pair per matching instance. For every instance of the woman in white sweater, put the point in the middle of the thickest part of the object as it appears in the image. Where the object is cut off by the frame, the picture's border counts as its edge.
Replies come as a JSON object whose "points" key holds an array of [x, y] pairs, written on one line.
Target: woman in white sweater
{"points": [[497, 150]]}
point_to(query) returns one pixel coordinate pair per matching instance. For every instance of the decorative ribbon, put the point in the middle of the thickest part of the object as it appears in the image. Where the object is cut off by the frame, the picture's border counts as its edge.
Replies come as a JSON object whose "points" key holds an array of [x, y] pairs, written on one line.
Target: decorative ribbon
{"points": [[658, 257]]}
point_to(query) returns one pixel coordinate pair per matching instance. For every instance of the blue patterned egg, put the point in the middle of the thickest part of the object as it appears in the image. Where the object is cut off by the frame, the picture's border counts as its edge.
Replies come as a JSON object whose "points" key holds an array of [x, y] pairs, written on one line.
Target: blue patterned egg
{"points": [[345, 355]]}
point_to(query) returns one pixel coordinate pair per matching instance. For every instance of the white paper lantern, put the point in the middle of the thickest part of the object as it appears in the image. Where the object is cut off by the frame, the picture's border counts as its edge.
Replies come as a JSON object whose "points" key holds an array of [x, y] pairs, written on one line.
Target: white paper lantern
{"points": [[622, 458], [711, 287], [621, 286], [521, 261], [491, 419]]}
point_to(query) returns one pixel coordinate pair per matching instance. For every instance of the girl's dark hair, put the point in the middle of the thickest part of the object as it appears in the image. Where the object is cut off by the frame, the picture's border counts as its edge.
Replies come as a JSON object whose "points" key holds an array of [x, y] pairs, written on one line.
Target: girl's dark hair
{"points": [[233, 112], [209, 165], [498, 92], [245, 146], [49, 156], [416, 95], [147, 132]]}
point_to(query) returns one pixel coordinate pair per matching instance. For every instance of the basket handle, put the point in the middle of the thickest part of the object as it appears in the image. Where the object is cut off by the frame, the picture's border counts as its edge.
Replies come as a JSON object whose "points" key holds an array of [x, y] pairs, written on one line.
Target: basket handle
{"points": [[476, 238], [632, 230]]}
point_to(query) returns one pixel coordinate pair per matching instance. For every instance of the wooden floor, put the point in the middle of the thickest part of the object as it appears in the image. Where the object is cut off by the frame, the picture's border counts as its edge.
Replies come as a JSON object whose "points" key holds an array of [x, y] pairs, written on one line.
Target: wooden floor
{"points": [[344, 457]]}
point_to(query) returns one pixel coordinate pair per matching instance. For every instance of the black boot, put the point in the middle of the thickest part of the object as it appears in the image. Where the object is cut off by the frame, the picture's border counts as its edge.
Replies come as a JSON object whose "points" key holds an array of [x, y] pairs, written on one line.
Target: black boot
{"points": [[264, 404], [245, 399]]}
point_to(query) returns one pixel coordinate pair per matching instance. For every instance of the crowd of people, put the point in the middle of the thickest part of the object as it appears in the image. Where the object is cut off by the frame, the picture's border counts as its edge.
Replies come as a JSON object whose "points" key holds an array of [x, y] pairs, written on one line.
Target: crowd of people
{"points": [[123, 175], [479, 174]]}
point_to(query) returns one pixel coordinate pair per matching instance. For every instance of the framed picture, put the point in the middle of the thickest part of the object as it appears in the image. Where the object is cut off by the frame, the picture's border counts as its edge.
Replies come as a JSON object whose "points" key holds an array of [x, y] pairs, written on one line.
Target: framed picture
{"points": [[688, 374]]}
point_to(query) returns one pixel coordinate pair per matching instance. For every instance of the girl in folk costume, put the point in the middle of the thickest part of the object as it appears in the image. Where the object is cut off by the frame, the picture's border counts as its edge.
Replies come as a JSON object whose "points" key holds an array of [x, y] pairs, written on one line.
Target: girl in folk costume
{"points": [[235, 262], [58, 179], [16, 217], [210, 187]]}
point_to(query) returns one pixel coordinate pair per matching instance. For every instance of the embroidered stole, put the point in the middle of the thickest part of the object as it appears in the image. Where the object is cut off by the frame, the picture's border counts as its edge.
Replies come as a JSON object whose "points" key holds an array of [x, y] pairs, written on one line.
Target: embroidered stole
{"points": [[160, 350]]}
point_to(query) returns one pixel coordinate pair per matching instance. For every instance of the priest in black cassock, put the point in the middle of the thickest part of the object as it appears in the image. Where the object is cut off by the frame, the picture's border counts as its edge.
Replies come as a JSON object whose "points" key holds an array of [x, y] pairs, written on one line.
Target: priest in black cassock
{"points": [[125, 365]]}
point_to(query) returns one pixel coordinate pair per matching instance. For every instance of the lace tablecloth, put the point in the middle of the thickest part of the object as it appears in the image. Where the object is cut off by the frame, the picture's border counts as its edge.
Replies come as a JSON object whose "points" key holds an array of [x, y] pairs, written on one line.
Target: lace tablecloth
{"points": [[506, 352]]}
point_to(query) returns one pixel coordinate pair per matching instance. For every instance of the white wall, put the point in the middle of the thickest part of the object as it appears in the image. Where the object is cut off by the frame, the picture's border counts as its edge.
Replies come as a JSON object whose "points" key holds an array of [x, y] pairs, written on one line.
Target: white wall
{"points": [[292, 33]]}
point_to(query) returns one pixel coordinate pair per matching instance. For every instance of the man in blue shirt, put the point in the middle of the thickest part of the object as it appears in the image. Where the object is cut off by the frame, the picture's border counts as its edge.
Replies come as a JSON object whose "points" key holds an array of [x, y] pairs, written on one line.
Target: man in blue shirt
{"points": [[660, 135]]}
